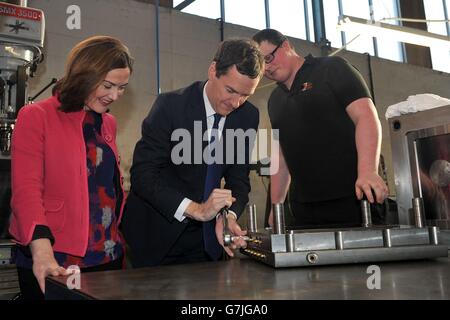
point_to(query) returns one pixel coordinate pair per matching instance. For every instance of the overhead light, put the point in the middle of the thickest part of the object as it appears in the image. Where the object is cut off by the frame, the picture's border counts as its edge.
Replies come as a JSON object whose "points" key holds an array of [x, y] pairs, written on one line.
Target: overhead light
{"points": [[393, 32]]}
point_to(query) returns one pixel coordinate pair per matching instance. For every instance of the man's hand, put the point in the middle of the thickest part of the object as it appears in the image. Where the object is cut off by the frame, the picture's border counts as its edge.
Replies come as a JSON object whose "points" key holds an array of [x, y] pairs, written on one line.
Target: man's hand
{"points": [[235, 230], [206, 211], [44, 263], [367, 182]]}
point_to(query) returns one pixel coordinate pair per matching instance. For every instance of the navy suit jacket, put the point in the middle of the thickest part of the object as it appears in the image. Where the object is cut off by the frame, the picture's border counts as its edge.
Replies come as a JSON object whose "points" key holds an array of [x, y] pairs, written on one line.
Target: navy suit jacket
{"points": [[158, 186]]}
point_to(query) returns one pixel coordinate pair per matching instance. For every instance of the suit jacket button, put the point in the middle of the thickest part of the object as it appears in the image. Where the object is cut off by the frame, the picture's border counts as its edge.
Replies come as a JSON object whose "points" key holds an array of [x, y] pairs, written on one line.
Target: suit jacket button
{"points": [[108, 138]]}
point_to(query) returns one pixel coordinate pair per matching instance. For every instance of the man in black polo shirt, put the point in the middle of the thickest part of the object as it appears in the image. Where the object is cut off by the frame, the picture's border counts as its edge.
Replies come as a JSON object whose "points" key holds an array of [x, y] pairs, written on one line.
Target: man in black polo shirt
{"points": [[329, 134]]}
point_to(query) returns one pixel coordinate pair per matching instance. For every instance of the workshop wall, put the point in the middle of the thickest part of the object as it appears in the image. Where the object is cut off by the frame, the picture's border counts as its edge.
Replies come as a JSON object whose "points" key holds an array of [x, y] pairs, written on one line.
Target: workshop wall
{"points": [[187, 44]]}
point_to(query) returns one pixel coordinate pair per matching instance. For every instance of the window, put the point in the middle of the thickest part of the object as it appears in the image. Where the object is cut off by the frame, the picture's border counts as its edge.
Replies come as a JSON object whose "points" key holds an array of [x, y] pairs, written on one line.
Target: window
{"points": [[311, 34], [360, 9], [331, 13], [205, 8], [387, 48], [249, 13], [434, 10], [447, 15], [288, 18]]}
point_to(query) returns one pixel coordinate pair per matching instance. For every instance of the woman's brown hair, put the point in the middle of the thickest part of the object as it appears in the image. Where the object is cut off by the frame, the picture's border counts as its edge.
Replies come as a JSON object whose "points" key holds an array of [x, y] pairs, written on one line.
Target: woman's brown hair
{"points": [[87, 65]]}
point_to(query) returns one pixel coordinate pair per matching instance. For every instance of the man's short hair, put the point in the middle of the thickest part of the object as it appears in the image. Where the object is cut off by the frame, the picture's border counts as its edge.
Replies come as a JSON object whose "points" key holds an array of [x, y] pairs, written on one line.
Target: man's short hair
{"points": [[243, 53], [271, 35]]}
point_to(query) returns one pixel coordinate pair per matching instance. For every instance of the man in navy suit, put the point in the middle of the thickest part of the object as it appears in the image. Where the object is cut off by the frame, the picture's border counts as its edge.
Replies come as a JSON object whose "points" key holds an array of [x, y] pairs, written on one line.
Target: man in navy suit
{"points": [[172, 210]]}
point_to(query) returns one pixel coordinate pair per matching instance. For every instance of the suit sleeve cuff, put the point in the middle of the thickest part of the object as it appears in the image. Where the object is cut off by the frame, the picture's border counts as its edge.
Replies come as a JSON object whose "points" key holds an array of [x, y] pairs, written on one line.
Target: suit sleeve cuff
{"points": [[179, 214]]}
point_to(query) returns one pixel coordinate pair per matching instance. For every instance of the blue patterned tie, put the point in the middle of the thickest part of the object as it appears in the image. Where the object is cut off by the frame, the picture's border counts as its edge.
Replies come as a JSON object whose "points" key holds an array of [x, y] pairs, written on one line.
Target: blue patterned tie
{"points": [[212, 181]]}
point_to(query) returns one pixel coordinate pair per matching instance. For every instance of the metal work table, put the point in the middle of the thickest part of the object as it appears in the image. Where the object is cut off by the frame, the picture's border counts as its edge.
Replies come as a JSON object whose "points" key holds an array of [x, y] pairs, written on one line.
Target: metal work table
{"points": [[246, 279]]}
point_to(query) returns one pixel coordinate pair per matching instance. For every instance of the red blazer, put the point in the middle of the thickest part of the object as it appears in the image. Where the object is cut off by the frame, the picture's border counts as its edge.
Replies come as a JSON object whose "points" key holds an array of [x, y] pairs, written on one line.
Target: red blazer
{"points": [[49, 175]]}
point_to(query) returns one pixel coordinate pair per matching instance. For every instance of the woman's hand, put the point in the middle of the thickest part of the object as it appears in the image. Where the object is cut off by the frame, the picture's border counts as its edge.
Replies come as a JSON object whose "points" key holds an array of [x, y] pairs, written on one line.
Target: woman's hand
{"points": [[44, 262]]}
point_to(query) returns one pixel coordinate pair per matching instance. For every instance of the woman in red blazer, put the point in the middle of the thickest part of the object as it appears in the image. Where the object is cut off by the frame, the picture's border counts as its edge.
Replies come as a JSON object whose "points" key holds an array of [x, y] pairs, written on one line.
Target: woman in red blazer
{"points": [[67, 195]]}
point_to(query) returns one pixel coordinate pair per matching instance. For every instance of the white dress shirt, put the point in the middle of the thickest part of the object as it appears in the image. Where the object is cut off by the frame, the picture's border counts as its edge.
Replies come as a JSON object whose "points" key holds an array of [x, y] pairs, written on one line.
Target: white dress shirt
{"points": [[179, 214]]}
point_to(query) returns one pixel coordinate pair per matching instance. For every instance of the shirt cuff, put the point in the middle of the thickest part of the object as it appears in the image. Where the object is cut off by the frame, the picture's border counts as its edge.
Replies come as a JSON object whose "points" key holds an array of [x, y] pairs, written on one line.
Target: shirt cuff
{"points": [[43, 232], [229, 213], [179, 214]]}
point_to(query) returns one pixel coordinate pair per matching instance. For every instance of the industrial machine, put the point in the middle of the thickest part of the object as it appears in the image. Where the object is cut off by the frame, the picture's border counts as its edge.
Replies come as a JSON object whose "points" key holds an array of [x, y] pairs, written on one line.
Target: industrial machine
{"points": [[421, 161], [21, 43], [280, 247]]}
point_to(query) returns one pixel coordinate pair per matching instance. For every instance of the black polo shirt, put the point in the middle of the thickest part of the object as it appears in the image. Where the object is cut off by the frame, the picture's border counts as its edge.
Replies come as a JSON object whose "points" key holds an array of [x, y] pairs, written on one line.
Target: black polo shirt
{"points": [[316, 134]]}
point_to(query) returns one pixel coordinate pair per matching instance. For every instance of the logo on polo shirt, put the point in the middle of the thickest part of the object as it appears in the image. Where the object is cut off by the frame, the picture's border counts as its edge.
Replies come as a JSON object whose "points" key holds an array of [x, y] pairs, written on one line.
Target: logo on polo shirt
{"points": [[306, 86]]}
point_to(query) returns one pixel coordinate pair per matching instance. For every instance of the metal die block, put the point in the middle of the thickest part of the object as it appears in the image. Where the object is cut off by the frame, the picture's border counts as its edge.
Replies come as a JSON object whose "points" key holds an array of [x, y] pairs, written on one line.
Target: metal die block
{"points": [[362, 239], [362, 255], [314, 241], [409, 236]]}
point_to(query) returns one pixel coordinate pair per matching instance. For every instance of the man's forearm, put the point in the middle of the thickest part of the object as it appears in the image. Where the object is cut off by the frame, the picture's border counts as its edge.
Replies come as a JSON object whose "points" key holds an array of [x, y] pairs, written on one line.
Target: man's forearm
{"points": [[368, 144], [367, 134], [280, 180], [279, 185]]}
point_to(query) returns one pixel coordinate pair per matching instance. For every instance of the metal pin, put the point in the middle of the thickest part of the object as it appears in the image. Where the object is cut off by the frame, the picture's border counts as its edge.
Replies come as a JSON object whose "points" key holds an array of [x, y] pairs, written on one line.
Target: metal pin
{"points": [[433, 234], [251, 223], [227, 238], [278, 216], [290, 243], [366, 214], [418, 209], [339, 240], [387, 242]]}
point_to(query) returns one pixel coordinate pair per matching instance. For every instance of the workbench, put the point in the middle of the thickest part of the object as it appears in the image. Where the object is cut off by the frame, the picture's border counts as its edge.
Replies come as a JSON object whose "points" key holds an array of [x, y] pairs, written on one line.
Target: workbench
{"points": [[246, 279]]}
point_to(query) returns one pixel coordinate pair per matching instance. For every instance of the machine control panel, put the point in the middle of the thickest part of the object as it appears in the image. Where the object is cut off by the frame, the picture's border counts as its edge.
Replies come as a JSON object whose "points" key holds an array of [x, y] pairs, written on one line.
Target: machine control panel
{"points": [[21, 25]]}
